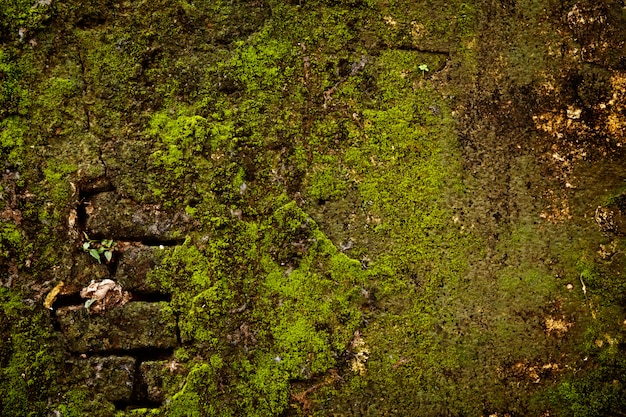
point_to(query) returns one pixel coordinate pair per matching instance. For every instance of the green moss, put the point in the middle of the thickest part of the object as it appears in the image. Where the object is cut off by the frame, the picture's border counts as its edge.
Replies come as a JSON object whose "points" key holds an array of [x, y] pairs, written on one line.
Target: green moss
{"points": [[199, 396], [298, 319], [80, 402], [12, 91], [141, 412], [61, 193], [598, 393], [20, 18], [10, 241], [181, 138], [265, 390], [12, 131], [29, 358], [287, 129]]}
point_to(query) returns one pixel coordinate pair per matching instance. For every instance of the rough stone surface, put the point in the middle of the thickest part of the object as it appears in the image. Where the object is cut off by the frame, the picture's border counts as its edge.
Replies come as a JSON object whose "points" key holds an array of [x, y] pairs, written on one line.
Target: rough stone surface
{"points": [[135, 325], [133, 267], [84, 270], [391, 201], [612, 217], [112, 376], [152, 378], [111, 215]]}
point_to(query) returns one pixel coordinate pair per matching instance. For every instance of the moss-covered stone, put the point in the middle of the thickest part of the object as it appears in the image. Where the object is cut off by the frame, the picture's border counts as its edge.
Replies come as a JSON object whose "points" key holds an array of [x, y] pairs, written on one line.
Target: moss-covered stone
{"points": [[135, 325], [111, 216], [381, 203], [134, 265], [29, 358], [111, 376]]}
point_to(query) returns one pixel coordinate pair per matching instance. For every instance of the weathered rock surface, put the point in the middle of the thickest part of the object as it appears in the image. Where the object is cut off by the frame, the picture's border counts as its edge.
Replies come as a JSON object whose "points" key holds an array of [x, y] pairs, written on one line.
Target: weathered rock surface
{"points": [[109, 214], [136, 325], [133, 267], [84, 270], [112, 376], [152, 378], [612, 217]]}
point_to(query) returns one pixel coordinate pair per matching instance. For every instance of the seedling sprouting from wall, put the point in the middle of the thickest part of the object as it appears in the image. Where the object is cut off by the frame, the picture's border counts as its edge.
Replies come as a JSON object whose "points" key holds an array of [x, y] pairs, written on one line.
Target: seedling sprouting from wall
{"points": [[99, 248]]}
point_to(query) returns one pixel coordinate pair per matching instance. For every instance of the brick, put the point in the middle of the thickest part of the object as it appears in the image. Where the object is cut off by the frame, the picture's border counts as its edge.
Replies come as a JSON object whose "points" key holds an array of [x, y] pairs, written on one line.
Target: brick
{"points": [[152, 375], [133, 267], [111, 376], [136, 325], [111, 216]]}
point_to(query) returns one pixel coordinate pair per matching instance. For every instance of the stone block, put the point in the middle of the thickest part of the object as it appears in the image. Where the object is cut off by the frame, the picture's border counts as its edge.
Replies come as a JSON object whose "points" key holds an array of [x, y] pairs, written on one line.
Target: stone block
{"points": [[110, 216], [152, 374], [136, 325], [111, 376], [134, 264], [84, 270]]}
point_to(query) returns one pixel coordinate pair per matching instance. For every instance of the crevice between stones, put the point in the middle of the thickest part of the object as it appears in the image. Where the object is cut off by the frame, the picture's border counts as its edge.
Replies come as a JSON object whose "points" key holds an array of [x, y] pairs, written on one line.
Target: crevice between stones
{"points": [[140, 354], [75, 300]]}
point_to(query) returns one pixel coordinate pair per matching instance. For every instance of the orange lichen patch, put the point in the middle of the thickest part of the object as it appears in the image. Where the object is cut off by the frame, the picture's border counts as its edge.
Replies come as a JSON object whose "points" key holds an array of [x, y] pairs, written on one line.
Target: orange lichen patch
{"points": [[562, 158], [390, 21], [418, 30], [535, 373], [557, 326], [608, 251], [616, 121], [361, 354], [551, 123], [557, 209], [612, 341], [567, 122], [563, 123]]}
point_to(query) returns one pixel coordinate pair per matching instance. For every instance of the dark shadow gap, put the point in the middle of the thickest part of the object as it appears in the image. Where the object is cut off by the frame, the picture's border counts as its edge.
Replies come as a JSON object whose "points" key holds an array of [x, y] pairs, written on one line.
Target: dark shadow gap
{"points": [[74, 300], [166, 243], [150, 297], [81, 218], [67, 300], [96, 186], [178, 338], [141, 354]]}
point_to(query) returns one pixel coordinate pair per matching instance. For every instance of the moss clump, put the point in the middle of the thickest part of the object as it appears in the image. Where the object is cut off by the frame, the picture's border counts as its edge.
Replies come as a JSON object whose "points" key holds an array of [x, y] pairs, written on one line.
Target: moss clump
{"points": [[80, 402], [12, 141], [279, 293], [12, 92], [200, 394], [29, 358]]}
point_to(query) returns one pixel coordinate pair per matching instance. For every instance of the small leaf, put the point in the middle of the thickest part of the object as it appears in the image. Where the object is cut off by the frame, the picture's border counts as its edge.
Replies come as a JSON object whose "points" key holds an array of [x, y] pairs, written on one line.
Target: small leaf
{"points": [[89, 302], [86, 246], [95, 254], [423, 68], [108, 255]]}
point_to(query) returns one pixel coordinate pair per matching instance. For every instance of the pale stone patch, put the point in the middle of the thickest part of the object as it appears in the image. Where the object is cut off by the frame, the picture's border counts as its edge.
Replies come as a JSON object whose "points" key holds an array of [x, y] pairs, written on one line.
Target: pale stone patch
{"points": [[361, 354], [557, 326]]}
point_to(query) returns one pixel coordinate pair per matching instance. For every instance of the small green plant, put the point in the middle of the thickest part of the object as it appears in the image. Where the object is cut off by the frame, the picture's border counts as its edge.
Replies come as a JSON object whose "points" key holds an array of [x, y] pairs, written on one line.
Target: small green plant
{"points": [[423, 68], [99, 248]]}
